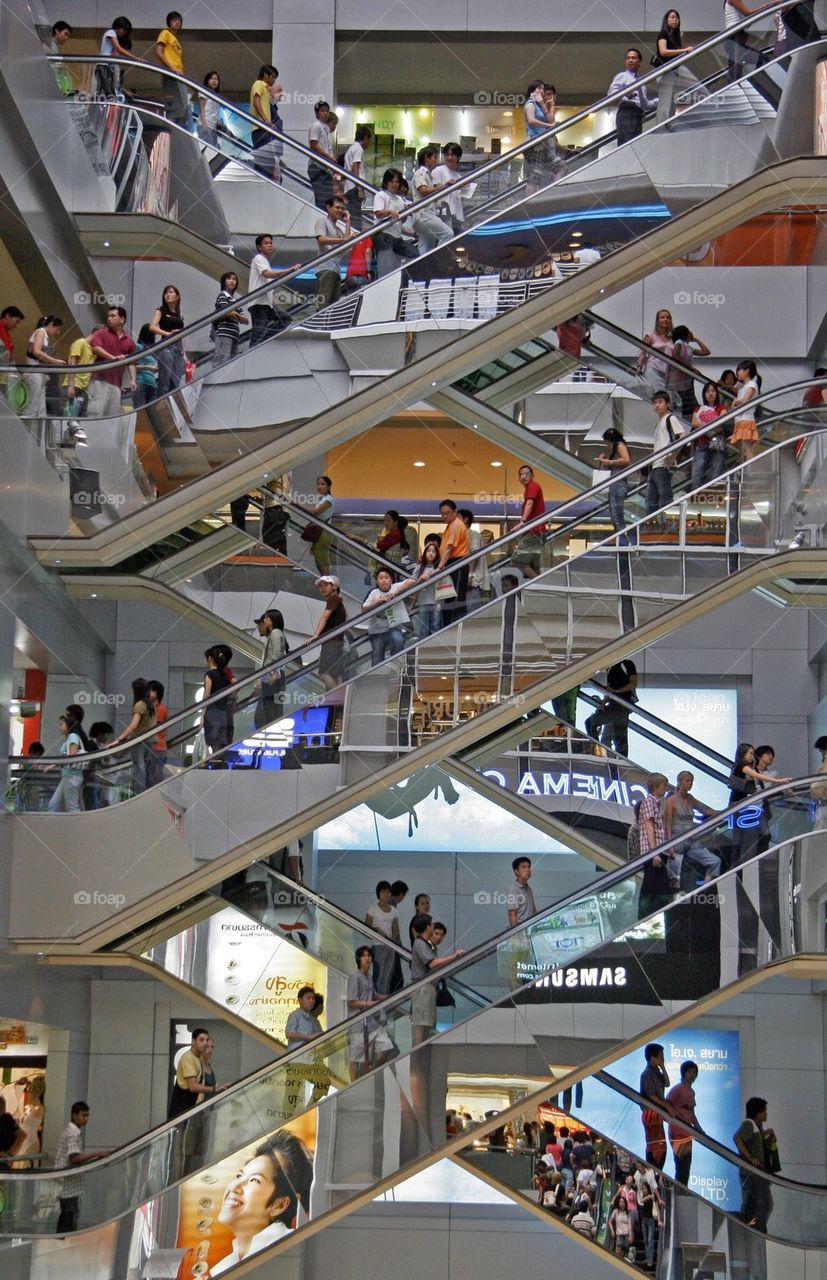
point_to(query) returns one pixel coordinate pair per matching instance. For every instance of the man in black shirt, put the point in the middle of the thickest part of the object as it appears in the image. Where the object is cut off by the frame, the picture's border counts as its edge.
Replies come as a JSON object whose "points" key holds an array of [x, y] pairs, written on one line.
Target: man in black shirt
{"points": [[613, 716]]}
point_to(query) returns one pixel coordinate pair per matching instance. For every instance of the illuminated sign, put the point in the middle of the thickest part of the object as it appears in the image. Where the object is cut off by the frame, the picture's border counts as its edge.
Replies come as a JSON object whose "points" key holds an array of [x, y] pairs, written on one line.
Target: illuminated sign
{"points": [[593, 786], [717, 1105], [267, 748]]}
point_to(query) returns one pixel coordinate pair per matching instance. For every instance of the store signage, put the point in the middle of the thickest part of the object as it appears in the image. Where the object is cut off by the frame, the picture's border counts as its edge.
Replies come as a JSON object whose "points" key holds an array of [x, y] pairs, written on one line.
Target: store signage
{"points": [[717, 1098], [593, 786]]}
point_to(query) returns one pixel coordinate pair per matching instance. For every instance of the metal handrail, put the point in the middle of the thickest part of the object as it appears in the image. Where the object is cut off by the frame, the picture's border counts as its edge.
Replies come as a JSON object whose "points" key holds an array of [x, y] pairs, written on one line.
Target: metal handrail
{"points": [[510, 537], [492, 945], [426, 202]]}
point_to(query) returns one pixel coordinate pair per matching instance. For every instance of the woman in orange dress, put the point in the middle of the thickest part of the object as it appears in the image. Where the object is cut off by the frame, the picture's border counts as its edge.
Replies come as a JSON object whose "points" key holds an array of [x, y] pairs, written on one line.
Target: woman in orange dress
{"points": [[745, 433]]}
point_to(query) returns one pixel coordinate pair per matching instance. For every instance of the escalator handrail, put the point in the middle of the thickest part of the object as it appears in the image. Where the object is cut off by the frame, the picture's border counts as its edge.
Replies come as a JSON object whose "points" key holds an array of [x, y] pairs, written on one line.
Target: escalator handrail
{"points": [[202, 91], [426, 202], [323, 904], [651, 718], [389, 1003], [697, 374], [511, 537], [758, 17]]}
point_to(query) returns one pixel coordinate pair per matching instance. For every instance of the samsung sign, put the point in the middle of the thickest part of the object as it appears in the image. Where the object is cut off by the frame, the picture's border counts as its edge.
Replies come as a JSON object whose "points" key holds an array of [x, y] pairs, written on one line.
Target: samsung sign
{"points": [[593, 786]]}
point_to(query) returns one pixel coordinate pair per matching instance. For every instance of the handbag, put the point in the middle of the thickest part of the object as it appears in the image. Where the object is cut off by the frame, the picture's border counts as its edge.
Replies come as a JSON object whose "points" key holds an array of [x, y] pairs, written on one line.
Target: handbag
{"points": [[444, 590], [598, 476], [404, 248], [444, 998], [311, 532]]}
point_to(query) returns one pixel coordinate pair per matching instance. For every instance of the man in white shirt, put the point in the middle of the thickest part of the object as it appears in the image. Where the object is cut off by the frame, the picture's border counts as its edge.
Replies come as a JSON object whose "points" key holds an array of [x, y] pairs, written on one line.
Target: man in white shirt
{"points": [[431, 231], [265, 317], [321, 179], [668, 430], [355, 164], [447, 173], [629, 120], [70, 1153]]}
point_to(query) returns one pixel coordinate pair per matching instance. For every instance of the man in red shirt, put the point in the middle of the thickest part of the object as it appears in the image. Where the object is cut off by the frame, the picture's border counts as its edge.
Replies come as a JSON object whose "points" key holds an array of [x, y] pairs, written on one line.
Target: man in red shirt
{"points": [[682, 1099], [10, 318], [111, 343], [528, 555]]}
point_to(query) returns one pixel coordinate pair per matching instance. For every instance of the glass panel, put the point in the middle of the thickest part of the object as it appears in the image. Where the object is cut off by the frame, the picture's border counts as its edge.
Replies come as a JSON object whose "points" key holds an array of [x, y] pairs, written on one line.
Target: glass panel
{"points": [[566, 593], [688, 949], [547, 229]]}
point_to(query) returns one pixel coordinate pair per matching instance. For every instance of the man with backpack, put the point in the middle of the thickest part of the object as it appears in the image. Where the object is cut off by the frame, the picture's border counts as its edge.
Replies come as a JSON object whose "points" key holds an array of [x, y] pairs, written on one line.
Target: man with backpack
{"points": [[668, 430]]}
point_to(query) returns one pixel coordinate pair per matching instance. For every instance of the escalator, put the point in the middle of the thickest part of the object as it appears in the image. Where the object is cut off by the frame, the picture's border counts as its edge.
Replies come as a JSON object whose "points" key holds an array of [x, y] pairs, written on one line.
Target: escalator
{"points": [[215, 420], [554, 630], [711, 946]]}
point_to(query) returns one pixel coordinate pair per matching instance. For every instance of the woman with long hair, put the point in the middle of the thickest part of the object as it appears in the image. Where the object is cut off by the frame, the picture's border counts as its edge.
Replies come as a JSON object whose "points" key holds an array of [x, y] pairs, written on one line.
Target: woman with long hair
{"points": [[208, 110], [216, 721], [670, 45], [143, 719], [615, 459], [40, 352], [745, 431], [708, 450], [168, 320], [649, 365]]}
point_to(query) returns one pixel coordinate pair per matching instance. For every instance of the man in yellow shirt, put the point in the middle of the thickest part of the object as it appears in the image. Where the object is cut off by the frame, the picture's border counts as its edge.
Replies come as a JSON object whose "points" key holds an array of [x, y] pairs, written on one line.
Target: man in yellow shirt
{"points": [[168, 52], [453, 548], [77, 384], [260, 107]]}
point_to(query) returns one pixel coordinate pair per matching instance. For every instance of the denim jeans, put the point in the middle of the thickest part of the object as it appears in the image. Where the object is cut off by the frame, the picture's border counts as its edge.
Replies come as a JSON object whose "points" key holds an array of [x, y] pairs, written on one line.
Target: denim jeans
{"points": [[648, 1228], [385, 645], [67, 796], [431, 231], [427, 620], [700, 463], [618, 492], [170, 369], [717, 463], [658, 490]]}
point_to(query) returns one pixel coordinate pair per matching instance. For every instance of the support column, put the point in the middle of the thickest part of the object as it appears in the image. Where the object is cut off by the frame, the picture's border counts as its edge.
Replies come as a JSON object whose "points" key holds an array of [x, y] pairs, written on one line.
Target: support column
{"points": [[303, 51]]}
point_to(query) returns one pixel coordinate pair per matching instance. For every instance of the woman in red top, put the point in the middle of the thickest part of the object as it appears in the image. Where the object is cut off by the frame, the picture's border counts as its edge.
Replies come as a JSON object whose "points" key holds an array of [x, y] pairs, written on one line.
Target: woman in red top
{"points": [[709, 451], [392, 537], [358, 266]]}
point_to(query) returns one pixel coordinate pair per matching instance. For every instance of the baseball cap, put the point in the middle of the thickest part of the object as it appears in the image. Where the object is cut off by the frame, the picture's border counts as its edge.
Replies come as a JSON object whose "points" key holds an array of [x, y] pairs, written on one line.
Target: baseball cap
{"points": [[268, 613], [331, 578]]}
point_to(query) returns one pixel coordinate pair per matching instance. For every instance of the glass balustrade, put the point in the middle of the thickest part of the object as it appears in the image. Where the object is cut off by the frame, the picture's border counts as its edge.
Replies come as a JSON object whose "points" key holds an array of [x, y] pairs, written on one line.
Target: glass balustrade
{"points": [[579, 600], [535, 992]]}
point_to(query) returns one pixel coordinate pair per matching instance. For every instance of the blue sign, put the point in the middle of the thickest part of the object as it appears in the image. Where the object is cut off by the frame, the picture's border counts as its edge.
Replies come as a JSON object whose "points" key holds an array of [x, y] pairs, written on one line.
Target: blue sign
{"points": [[717, 1106]]}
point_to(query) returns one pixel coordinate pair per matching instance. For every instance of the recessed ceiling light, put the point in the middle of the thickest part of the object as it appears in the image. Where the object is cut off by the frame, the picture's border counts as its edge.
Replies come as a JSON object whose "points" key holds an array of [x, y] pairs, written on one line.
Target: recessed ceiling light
{"points": [[508, 114], [496, 464], [419, 464], [94, 595], [459, 249], [574, 234]]}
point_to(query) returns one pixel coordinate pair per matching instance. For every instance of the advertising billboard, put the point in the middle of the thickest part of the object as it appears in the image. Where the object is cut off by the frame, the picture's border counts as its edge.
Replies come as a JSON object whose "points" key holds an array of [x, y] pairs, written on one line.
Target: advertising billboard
{"points": [[718, 1106]]}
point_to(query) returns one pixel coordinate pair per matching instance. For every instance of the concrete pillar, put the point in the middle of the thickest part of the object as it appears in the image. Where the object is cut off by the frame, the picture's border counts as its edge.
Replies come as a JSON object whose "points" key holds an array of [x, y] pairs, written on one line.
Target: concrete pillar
{"points": [[303, 51]]}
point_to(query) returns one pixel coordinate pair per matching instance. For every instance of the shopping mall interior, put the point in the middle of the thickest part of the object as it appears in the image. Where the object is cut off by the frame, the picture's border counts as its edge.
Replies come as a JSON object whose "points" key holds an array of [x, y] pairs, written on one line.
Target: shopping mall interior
{"points": [[414, 642]]}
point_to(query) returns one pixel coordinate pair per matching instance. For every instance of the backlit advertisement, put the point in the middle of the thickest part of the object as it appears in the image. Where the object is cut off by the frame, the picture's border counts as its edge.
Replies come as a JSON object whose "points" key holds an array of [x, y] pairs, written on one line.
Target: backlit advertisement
{"points": [[718, 1106]]}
